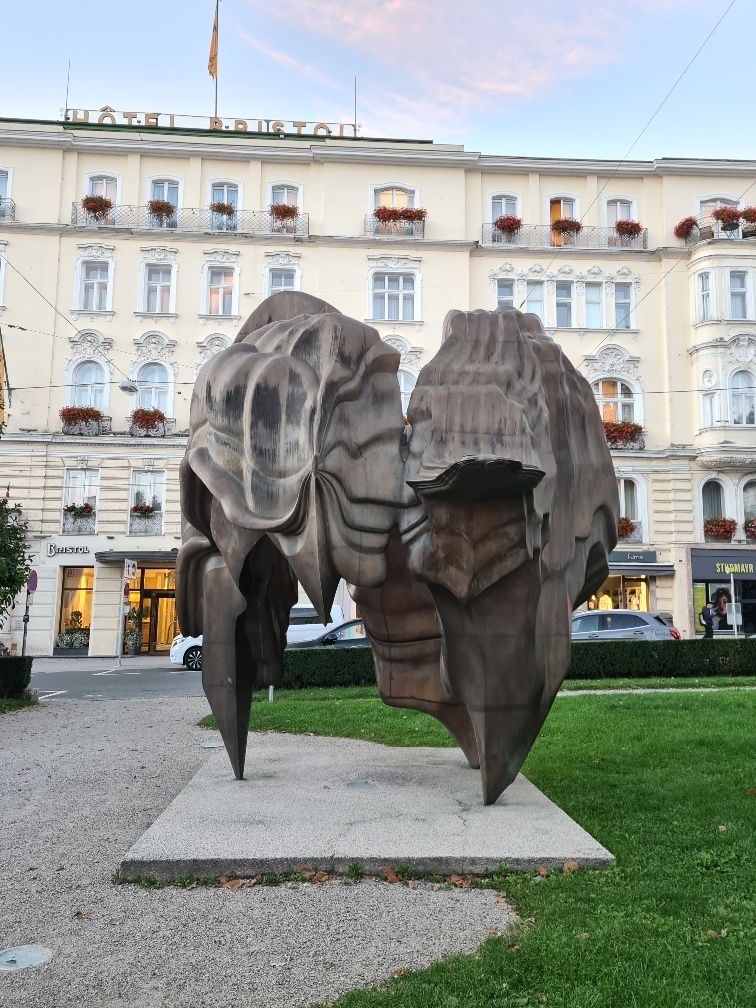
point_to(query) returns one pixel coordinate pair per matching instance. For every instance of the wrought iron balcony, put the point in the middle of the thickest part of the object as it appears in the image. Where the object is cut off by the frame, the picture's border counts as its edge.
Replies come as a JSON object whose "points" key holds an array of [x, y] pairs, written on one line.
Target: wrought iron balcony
{"points": [[707, 227], [393, 229], [191, 219], [7, 209], [84, 525], [151, 524], [636, 536], [544, 236]]}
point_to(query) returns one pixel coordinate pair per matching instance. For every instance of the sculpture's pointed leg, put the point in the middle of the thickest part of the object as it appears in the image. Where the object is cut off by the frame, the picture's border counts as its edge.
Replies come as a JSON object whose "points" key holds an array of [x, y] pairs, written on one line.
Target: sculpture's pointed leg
{"points": [[226, 680]]}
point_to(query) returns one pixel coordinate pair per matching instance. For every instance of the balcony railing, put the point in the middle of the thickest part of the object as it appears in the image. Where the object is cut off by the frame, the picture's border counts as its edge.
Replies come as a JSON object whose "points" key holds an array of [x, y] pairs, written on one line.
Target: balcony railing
{"points": [[146, 524], [85, 525], [192, 219], [707, 228], [636, 536], [7, 209], [544, 236], [393, 229]]}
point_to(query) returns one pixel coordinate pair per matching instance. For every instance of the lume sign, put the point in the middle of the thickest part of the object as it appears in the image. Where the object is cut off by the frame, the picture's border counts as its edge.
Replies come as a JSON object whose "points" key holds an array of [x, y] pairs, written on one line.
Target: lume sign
{"points": [[165, 120]]}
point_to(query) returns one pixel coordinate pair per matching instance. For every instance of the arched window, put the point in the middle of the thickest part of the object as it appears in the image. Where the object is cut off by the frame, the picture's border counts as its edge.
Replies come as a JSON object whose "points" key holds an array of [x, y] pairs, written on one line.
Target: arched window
{"points": [[628, 495], [394, 196], [407, 382], [285, 192], [104, 185], [743, 399], [503, 204], [712, 499], [615, 399], [89, 385], [749, 500], [618, 209], [153, 387]]}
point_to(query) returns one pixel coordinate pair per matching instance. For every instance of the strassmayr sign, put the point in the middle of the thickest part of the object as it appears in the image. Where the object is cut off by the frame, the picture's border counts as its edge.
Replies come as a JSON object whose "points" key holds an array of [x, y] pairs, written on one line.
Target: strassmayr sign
{"points": [[164, 120]]}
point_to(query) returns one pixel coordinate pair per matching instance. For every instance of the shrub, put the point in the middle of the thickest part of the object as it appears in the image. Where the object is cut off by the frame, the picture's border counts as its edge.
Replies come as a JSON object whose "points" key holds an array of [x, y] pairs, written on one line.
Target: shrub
{"points": [[327, 666], [685, 228], [15, 673], [674, 659]]}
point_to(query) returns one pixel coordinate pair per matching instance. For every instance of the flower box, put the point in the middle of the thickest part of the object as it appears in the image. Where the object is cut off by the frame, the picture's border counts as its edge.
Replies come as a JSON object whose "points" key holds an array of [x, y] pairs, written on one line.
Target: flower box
{"points": [[391, 215], [625, 527], [81, 420], [685, 228], [98, 207], [623, 434], [149, 423], [566, 225], [224, 209], [719, 529], [727, 217]]}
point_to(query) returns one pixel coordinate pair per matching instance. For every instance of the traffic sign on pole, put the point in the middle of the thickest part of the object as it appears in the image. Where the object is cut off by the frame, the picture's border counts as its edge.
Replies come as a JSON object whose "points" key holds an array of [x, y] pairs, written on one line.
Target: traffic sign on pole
{"points": [[31, 584]]}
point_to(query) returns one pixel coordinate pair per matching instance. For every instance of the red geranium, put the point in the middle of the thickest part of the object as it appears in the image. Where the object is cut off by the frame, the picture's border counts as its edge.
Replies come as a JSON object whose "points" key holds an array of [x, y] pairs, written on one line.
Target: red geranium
{"points": [[147, 419], [685, 228], [390, 215], [97, 206], [625, 527], [726, 215], [566, 225], [508, 223], [161, 208], [622, 433], [748, 214], [628, 228], [70, 415], [720, 528], [142, 510], [284, 211], [749, 525], [224, 209]]}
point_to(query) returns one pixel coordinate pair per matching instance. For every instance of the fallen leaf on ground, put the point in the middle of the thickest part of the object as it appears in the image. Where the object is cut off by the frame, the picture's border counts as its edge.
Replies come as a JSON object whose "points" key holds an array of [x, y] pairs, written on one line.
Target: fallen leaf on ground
{"points": [[712, 934], [319, 877], [722, 829], [543, 872], [398, 972], [459, 881], [389, 874], [491, 931], [513, 948], [583, 935], [411, 885], [500, 898], [232, 884], [570, 865], [32, 867], [751, 791], [80, 915], [306, 871]]}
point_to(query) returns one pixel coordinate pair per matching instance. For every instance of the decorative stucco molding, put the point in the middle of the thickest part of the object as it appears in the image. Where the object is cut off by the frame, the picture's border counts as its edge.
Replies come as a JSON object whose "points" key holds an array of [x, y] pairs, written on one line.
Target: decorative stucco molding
{"points": [[88, 344], [154, 346], [611, 360]]}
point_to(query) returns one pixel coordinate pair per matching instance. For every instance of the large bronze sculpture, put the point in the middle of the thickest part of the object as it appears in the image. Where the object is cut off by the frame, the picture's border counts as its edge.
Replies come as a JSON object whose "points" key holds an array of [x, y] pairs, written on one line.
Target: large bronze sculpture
{"points": [[467, 536]]}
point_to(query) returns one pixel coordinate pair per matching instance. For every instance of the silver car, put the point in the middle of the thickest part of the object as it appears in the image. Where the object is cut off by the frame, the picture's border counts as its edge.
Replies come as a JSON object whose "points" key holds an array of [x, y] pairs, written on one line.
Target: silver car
{"points": [[621, 624]]}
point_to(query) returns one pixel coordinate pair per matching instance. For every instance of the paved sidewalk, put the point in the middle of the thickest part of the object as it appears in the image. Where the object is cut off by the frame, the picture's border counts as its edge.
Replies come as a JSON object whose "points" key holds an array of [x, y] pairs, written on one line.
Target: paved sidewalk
{"points": [[81, 782], [102, 664]]}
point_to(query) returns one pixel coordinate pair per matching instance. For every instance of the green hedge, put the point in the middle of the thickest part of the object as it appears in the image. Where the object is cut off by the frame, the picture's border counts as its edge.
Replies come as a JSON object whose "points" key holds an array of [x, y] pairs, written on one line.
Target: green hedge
{"points": [[620, 659], [15, 673]]}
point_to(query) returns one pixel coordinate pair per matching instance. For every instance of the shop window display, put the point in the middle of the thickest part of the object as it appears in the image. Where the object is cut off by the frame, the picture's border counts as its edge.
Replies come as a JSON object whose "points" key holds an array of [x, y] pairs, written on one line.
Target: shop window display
{"points": [[75, 608], [622, 592]]}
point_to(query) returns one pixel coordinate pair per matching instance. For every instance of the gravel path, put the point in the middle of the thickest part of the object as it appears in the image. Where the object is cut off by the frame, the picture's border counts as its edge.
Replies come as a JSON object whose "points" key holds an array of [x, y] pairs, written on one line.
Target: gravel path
{"points": [[81, 782]]}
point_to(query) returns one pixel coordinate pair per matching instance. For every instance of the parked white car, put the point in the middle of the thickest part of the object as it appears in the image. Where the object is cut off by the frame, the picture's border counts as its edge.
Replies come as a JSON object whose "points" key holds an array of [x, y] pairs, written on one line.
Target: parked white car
{"points": [[304, 625]]}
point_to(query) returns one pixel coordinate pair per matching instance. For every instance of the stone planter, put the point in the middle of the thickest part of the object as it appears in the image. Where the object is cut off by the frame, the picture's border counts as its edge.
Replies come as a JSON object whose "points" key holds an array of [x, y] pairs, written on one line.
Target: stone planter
{"points": [[717, 539], [90, 429], [159, 430], [70, 652]]}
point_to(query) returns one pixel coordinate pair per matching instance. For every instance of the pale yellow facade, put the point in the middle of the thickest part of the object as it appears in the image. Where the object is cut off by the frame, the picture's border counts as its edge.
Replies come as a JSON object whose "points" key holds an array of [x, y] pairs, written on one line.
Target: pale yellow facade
{"points": [[128, 293]]}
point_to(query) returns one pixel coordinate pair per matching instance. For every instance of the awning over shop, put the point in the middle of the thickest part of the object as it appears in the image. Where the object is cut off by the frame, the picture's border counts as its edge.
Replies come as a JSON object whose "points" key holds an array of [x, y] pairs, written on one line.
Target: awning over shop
{"points": [[719, 564], [144, 558]]}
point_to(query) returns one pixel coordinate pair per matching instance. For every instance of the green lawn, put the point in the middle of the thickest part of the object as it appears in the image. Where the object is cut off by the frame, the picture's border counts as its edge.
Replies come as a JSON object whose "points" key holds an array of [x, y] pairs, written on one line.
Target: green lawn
{"points": [[653, 777], [16, 703]]}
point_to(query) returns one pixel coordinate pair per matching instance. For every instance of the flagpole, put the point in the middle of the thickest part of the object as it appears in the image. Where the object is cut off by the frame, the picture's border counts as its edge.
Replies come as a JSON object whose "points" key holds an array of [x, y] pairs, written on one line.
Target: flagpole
{"points": [[217, 2]]}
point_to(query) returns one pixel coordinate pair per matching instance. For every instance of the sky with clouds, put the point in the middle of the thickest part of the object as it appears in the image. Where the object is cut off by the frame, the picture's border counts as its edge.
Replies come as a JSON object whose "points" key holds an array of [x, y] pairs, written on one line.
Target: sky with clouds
{"points": [[544, 77]]}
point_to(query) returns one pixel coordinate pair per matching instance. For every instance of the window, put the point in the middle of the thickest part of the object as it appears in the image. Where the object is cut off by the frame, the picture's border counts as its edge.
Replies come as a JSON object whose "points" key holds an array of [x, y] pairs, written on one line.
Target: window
{"points": [[394, 196], [103, 185], [623, 621], [220, 290], [89, 385], [80, 487], [95, 280], [743, 398], [76, 602], [407, 383], [749, 500], [501, 205], [394, 296], [147, 487], [594, 307], [708, 206], [628, 496], [354, 632], [615, 400], [712, 499], [705, 299], [564, 305], [3, 193], [505, 293], [559, 208], [589, 623], [618, 209], [224, 192], [282, 280], [534, 298], [622, 305], [738, 294], [168, 191], [158, 289], [285, 193], [154, 386], [710, 412]]}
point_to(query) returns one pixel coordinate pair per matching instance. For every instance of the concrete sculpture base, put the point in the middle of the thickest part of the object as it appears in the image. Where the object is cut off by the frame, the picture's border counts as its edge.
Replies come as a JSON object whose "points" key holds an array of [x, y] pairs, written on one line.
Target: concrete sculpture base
{"points": [[329, 803]]}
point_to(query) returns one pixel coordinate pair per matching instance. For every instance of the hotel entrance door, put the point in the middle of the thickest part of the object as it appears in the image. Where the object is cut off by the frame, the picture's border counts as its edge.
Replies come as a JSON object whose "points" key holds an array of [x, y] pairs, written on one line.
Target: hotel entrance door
{"points": [[163, 627]]}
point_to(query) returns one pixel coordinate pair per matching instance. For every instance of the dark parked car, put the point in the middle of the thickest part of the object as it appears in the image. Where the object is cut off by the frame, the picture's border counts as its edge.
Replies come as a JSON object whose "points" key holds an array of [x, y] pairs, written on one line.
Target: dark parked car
{"points": [[350, 634]]}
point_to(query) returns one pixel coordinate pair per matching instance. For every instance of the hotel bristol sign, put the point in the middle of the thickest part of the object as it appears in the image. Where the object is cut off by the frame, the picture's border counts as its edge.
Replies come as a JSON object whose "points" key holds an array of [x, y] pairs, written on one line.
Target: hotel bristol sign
{"points": [[164, 120]]}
